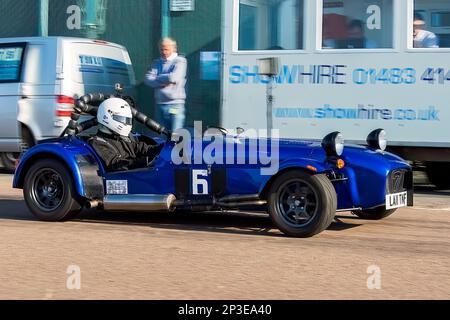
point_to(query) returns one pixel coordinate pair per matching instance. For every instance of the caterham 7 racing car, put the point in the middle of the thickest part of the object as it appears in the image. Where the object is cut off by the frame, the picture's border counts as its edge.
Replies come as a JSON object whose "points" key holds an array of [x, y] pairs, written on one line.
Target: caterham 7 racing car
{"points": [[313, 180]]}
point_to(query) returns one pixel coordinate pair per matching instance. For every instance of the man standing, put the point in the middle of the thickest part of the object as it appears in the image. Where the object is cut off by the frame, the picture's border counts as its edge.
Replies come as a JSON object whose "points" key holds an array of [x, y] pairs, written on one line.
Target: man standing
{"points": [[422, 37], [167, 75]]}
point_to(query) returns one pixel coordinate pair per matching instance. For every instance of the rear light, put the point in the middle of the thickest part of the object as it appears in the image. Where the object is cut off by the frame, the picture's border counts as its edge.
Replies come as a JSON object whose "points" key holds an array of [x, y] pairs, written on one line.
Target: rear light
{"points": [[64, 107], [65, 100], [63, 113]]}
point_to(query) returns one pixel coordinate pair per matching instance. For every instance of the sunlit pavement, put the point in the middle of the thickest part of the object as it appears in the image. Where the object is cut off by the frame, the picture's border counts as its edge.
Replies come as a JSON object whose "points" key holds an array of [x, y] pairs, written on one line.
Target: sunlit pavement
{"points": [[224, 255]]}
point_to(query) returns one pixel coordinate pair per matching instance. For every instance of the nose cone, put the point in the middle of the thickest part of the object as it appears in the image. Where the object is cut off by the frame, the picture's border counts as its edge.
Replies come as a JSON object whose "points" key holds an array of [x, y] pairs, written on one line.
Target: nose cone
{"points": [[380, 160]]}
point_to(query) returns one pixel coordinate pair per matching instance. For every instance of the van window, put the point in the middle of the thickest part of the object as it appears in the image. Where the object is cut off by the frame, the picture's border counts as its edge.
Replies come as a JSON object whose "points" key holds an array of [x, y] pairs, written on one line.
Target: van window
{"points": [[270, 24], [357, 24], [11, 57], [431, 24], [101, 65]]}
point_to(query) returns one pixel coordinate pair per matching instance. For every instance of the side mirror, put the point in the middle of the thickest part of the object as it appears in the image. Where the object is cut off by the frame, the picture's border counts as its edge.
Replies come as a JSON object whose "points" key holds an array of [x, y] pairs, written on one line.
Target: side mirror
{"points": [[176, 138], [212, 131], [240, 131], [119, 89]]}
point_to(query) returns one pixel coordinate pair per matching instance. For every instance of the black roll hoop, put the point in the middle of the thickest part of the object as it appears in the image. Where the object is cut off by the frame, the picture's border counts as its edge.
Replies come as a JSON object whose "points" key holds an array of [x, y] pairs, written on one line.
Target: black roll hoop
{"points": [[89, 103]]}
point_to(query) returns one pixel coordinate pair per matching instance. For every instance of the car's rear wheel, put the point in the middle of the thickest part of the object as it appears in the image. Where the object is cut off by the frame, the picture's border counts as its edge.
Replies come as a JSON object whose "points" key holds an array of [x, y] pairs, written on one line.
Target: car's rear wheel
{"points": [[302, 205], [49, 191], [374, 214]]}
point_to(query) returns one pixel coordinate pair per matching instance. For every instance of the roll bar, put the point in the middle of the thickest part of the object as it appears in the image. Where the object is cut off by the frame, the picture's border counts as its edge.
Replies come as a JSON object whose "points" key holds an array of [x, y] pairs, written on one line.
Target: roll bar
{"points": [[88, 104]]}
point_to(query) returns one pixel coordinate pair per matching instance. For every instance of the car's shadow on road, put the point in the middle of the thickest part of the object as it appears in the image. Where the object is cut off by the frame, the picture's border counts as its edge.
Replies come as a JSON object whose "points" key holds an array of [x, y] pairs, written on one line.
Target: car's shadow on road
{"points": [[429, 190], [220, 222]]}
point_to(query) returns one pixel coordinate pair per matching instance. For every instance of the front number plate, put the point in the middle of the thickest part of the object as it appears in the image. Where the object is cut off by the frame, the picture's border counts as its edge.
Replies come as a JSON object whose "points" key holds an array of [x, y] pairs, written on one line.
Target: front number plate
{"points": [[398, 200]]}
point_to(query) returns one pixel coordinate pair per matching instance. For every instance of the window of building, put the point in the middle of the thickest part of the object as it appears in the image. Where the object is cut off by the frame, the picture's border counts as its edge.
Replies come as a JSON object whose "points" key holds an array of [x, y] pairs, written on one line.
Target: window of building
{"points": [[270, 24], [357, 24], [431, 24], [10, 63]]}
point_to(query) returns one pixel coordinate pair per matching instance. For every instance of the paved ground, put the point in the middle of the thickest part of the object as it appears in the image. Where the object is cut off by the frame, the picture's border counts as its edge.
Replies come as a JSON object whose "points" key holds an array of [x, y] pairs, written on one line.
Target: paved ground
{"points": [[223, 256]]}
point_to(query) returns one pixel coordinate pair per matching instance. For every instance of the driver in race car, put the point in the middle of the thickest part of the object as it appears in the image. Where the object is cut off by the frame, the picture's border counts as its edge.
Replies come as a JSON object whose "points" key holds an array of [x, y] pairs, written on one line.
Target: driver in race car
{"points": [[114, 143]]}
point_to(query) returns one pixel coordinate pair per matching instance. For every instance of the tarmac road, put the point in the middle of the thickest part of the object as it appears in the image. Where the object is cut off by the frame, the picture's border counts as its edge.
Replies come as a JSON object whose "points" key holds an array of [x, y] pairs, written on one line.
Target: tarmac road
{"points": [[224, 255]]}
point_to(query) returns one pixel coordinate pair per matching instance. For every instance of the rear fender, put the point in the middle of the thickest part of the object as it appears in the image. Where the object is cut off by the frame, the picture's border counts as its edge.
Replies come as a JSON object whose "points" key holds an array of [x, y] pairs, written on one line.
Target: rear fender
{"points": [[79, 161]]}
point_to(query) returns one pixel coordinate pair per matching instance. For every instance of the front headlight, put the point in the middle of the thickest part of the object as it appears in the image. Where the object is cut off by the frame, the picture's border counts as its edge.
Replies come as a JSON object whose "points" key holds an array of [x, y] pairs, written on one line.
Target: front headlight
{"points": [[377, 140], [333, 144]]}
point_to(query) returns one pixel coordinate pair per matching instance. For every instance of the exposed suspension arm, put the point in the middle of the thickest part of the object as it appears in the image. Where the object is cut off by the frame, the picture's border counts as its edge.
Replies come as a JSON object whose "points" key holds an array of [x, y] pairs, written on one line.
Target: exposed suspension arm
{"points": [[86, 104], [149, 123]]}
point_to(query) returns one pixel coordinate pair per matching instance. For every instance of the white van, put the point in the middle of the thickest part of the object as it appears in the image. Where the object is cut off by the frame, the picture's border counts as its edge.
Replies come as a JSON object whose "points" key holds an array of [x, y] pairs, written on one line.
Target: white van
{"points": [[39, 79]]}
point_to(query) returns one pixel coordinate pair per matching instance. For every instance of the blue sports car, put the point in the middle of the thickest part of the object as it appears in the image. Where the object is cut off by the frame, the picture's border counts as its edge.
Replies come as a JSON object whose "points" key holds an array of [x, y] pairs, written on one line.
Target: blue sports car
{"points": [[311, 181]]}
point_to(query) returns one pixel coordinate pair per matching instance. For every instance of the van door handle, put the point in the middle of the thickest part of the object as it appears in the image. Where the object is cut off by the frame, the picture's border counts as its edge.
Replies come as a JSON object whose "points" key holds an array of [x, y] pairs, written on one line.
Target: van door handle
{"points": [[25, 97]]}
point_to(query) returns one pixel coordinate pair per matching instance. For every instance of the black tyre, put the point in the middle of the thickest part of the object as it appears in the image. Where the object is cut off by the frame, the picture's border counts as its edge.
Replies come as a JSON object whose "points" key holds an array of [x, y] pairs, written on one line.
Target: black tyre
{"points": [[374, 214], [302, 205], [9, 159], [49, 191], [439, 174]]}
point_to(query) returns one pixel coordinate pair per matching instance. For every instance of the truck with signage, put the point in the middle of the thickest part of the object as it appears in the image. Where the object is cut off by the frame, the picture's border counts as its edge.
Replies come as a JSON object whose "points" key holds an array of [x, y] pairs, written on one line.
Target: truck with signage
{"points": [[351, 66]]}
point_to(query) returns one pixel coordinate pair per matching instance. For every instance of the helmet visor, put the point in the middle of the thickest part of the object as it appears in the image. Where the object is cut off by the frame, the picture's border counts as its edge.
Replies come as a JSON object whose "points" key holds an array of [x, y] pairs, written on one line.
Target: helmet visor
{"points": [[122, 119]]}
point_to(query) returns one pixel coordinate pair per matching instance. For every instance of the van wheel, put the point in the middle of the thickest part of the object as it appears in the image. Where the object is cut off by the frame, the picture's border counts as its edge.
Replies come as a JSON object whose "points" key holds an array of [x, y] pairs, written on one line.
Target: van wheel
{"points": [[302, 205], [49, 191], [374, 214], [9, 160], [439, 174]]}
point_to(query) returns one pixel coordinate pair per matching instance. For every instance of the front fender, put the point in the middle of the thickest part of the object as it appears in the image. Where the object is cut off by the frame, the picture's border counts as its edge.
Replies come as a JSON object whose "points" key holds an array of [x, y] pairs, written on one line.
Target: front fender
{"points": [[309, 165], [79, 160]]}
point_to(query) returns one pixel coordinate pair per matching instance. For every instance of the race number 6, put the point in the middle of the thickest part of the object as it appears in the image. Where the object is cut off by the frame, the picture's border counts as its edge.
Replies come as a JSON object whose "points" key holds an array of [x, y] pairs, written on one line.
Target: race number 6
{"points": [[199, 183]]}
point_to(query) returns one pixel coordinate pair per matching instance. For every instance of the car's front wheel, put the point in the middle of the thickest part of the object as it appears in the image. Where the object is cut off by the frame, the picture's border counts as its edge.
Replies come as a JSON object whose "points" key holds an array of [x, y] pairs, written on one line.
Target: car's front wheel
{"points": [[302, 205], [49, 191], [374, 214]]}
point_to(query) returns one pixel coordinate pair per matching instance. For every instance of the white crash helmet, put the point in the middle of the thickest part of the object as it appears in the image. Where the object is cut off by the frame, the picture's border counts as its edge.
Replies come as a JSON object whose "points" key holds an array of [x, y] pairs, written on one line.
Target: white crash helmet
{"points": [[115, 114]]}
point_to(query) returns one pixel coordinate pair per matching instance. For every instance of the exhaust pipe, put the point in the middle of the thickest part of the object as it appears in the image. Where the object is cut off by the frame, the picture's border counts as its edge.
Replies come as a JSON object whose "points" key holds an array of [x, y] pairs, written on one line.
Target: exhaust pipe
{"points": [[93, 204], [143, 203], [242, 204]]}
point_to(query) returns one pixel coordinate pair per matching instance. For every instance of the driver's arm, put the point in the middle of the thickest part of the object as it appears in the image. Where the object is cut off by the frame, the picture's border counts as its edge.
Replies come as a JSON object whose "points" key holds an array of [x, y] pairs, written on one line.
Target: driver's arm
{"points": [[111, 159], [143, 149]]}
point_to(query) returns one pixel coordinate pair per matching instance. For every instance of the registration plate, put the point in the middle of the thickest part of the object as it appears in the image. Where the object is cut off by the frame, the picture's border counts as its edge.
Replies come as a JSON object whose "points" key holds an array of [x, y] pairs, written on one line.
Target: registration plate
{"points": [[398, 200]]}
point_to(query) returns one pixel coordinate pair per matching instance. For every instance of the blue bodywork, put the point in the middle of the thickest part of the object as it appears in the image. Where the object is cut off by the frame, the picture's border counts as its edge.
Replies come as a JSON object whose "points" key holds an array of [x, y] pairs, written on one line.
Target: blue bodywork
{"points": [[362, 184]]}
